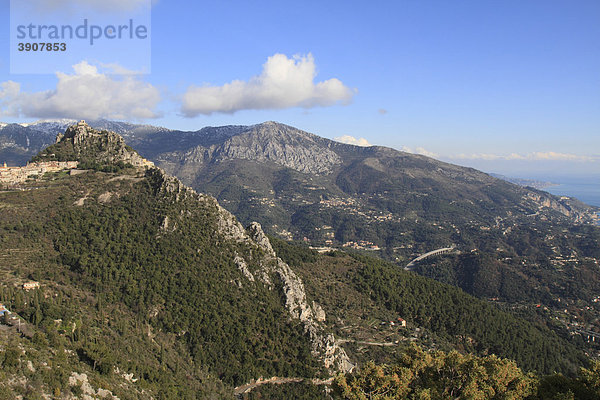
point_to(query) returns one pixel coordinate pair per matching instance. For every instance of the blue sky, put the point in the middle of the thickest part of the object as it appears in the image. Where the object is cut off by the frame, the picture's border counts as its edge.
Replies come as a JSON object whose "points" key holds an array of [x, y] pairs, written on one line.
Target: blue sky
{"points": [[508, 86]]}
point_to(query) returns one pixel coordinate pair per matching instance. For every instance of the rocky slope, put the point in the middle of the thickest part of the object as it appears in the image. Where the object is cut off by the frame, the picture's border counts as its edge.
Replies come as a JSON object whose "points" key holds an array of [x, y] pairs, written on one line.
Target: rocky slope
{"points": [[324, 346], [271, 142], [271, 156], [82, 143]]}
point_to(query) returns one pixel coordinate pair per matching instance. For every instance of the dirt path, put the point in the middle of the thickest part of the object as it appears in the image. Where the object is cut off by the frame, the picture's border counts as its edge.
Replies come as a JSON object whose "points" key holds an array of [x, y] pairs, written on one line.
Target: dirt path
{"points": [[278, 381], [385, 344]]}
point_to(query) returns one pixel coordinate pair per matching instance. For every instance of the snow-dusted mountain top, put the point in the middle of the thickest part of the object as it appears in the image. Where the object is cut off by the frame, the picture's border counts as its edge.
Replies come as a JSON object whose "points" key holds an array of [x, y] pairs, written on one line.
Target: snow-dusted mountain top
{"points": [[55, 122], [53, 126]]}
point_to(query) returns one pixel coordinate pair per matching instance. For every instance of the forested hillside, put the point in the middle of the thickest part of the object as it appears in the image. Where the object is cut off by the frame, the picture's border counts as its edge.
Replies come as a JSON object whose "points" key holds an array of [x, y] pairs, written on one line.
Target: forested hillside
{"points": [[141, 275], [143, 288], [356, 291]]}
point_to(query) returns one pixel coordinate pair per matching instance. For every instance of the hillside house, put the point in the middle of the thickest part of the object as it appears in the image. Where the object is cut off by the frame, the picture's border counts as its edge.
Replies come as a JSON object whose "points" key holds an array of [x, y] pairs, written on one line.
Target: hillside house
{"points": [[401, 322], [31, 285]]}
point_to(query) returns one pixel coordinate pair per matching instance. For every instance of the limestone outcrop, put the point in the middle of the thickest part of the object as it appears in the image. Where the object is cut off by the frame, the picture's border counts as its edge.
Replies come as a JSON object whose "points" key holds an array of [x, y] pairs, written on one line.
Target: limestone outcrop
{"points": [[266, 267], [89, 146]]}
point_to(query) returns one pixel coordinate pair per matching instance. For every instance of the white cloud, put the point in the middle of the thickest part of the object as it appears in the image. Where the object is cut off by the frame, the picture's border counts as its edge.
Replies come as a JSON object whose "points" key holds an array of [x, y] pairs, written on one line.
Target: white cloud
{"points": [[551, 155], [116, 69], [420, 150], [86, 94], [9, 90], [352, 140], [283, 83], [535, 156], [478, 156]]}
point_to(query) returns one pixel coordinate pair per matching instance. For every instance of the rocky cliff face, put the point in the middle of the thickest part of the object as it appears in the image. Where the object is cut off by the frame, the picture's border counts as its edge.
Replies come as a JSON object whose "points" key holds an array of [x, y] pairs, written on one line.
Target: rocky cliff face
{"points": [[266, 142], [271, 269], [83, 143], [578, 213], [324, 345], [282, 145]]}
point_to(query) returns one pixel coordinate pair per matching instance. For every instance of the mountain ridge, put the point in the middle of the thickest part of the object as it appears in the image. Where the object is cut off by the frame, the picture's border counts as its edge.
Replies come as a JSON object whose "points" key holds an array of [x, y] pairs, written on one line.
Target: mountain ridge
{"points": [[155, 262], [88, 146], [188, 154]]}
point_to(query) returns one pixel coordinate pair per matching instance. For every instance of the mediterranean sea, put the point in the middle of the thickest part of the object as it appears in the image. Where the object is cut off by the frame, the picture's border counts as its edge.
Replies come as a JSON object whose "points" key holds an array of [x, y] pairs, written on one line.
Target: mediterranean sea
{"points": [[587, 191]]}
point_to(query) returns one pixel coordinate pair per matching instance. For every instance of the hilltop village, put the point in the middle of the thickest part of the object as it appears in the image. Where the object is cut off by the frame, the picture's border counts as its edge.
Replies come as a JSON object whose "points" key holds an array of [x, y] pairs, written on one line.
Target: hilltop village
{"points": [[16, 175], [78, 133]]}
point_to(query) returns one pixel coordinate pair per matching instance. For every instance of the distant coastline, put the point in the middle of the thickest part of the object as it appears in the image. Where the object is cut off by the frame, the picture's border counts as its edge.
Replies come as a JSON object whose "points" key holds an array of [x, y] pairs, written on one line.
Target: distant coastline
{"points": [[588, 193], [534, 183], [585, 189]]}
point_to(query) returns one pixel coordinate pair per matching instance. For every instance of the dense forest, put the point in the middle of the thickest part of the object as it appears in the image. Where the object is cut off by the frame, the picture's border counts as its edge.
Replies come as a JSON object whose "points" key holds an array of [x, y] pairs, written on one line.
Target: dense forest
{"points": [[452, 316]]}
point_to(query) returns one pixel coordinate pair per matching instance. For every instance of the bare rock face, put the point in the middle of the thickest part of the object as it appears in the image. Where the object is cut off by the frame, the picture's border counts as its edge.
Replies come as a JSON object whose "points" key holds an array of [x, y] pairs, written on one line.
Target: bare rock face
{"points": [[283, 145], [229, 226], [257, 234], [324, 345], [88, 391], [82, 143], [243, 266], [561, 205], [319, 312], [266, 142]]}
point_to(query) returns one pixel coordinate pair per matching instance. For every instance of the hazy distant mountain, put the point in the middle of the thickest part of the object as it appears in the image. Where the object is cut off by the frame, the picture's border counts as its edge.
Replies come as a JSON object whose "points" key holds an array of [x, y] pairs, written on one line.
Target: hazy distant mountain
{"points": [[19, 143], [525, 182]]}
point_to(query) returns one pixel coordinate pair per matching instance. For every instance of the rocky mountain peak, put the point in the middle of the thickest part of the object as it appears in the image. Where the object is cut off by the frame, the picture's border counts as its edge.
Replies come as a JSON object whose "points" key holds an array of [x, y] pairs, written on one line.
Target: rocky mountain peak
{"points": [[97, 148], [258, 235], [272, 129], [280, 144], [80, 132]]}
